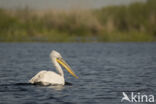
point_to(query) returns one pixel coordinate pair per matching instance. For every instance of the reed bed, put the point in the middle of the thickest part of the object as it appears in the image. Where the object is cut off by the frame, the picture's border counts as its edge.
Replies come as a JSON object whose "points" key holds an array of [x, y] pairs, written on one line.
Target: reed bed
{"points": [[135, 22]]}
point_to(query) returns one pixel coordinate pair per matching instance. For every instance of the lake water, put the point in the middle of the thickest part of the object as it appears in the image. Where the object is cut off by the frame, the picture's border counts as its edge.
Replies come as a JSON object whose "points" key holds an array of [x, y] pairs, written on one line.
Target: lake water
{"points": [[105, 70]]}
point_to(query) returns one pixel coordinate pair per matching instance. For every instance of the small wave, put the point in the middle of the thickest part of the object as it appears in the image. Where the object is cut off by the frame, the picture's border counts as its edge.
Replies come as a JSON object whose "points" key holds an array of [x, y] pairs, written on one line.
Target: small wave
{"points": [[68, 84], [29, 84], [17, 84], [144, 90]]}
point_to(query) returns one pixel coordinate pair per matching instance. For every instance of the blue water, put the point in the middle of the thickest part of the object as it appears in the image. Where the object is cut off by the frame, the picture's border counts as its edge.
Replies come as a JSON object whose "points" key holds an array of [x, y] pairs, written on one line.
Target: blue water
{"points": [[105, 70]]}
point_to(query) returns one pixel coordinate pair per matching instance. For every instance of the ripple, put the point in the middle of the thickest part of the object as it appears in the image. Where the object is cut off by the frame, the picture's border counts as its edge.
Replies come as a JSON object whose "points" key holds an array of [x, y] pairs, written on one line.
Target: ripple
{"points": [[104, 70]]}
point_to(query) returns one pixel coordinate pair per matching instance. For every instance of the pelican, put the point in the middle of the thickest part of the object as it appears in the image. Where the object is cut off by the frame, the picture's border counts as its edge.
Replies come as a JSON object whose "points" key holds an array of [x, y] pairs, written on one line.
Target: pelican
{"points": [[51, 78]]}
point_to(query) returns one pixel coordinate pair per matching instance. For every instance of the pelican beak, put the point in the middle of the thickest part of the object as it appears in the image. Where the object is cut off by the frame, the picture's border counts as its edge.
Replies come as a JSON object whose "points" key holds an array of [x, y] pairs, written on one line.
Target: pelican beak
{"points": [[66, 66]]}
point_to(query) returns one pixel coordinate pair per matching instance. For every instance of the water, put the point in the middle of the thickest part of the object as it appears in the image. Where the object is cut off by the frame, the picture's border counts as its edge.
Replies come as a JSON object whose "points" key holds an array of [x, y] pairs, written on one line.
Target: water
{"points": [[105, 70]]}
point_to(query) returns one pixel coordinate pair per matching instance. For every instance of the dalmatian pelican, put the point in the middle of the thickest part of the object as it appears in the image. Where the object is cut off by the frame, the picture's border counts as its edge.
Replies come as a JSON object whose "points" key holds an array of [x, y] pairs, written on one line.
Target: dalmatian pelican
{"points": [[52, 78]]}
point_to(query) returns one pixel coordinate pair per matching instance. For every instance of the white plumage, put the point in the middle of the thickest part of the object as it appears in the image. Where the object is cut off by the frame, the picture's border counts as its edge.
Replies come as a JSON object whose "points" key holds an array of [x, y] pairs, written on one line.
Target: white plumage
{"points": [[49, 77]]}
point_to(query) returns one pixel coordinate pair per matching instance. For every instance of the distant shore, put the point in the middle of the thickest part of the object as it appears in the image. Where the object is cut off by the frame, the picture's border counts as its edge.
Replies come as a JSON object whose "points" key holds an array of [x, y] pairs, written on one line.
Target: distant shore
{"points": [[133, 23]]}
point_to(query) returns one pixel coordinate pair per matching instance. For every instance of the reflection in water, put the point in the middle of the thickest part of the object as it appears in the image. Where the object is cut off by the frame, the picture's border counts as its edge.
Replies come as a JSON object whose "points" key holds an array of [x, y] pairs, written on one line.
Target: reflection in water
{"points": [[57, 87]]}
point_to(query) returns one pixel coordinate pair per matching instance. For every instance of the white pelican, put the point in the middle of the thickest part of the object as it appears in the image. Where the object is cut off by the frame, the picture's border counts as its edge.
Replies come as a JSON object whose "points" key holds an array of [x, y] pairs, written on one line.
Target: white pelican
{"points": [[49, 77]]}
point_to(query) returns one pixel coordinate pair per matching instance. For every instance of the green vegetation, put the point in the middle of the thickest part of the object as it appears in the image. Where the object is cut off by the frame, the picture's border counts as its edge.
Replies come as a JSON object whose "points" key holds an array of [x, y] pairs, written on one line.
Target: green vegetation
{"points": [[135, 22]]}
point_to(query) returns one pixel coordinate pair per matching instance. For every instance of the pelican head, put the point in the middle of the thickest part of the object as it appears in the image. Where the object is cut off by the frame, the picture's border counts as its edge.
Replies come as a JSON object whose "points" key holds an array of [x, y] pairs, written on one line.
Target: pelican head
{"points": [[58, 59], [55, 54]]}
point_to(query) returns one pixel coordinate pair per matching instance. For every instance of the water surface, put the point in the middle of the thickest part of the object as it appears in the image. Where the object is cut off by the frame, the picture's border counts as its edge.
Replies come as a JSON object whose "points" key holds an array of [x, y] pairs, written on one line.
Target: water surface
{"points": [[105, 70]]}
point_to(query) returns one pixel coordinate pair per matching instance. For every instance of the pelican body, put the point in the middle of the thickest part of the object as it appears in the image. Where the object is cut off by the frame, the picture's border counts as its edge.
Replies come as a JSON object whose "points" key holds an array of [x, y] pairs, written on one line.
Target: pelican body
{"points": [[49, 77]]}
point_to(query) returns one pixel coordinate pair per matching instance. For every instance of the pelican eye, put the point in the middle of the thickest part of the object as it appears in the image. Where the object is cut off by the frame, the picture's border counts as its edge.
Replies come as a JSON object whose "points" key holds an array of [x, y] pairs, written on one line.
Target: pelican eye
{"points": [[58, 58]]}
